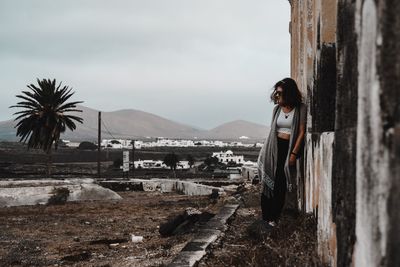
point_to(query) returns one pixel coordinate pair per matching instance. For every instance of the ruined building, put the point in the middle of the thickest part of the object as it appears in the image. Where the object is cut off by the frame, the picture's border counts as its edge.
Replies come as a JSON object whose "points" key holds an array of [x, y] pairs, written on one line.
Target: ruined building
{"points": [[345, 56]]}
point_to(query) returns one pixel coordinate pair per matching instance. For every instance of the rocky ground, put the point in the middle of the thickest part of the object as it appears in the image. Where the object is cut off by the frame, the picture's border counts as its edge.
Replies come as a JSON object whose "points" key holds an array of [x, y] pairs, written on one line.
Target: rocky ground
{"points": [[100, 233], [96, 233], [293, 242]]}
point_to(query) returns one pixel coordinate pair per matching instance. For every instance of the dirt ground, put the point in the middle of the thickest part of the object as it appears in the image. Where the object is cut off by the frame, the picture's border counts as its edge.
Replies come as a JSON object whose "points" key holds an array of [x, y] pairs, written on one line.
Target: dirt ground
{"points": [[293, 242], [99, 233], [95, 233]]}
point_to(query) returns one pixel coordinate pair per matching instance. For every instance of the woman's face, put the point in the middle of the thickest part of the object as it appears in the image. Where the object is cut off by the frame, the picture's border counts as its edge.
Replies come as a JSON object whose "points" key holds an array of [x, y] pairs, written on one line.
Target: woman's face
{"points": [[279, 96]]}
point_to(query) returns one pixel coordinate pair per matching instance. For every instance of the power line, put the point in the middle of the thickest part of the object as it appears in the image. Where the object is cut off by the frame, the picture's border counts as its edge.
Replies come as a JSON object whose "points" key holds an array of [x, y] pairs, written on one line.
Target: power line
{"points": [[107, 129], [103, 131]]}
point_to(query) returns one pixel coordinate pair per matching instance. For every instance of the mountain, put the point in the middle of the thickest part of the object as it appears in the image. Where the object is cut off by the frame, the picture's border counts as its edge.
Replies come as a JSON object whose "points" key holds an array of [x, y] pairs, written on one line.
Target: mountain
{"points": [[7, 130], [130, 123], [238, 128]]}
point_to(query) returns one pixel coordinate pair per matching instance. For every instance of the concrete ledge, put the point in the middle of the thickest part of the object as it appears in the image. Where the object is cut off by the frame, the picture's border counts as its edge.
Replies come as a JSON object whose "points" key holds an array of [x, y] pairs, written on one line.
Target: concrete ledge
{"points": [[195, 250], [163, 185]]}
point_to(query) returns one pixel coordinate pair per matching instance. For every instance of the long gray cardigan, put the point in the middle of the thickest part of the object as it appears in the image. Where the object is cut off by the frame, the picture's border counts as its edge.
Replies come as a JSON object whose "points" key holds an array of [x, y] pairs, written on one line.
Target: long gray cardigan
{"points": [[268, 157]]}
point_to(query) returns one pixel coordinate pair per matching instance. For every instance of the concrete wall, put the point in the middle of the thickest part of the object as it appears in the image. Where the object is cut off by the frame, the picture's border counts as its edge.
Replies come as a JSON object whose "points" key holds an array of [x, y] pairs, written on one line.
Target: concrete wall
{"points": [[313, 57], [378, 128], [346, 60]]}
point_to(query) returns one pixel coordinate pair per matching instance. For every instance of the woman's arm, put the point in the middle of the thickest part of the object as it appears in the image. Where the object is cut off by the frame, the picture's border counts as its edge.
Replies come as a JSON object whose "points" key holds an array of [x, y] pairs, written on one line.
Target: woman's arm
{"points": [[300, 137], [299, 140]]}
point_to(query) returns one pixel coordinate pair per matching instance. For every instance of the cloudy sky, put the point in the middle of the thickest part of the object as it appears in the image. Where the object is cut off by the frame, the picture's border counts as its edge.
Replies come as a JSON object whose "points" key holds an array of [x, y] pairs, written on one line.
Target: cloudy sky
{"points": [[199, 62]]}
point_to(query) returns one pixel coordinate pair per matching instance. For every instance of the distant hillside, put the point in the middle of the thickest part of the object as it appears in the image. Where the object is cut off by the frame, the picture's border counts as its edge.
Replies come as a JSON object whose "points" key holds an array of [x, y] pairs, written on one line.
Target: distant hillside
{"points": [[130, 123], [7, 131], [238, 128]]}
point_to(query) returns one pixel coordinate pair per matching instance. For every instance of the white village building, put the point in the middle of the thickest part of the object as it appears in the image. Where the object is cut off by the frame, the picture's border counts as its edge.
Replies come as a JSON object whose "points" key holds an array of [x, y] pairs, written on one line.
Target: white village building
{"points": [[120, 143], [227, 156], [158, 164]]}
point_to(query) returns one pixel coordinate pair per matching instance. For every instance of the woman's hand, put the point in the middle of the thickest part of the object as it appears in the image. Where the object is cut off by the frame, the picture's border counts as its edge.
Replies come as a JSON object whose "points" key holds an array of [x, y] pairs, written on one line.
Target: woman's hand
{"points": [[292, 160]]}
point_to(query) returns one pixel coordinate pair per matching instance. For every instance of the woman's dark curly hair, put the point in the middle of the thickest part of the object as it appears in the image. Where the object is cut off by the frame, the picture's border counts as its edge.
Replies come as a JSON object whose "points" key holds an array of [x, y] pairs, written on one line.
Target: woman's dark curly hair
{"points": [[291, 94]]}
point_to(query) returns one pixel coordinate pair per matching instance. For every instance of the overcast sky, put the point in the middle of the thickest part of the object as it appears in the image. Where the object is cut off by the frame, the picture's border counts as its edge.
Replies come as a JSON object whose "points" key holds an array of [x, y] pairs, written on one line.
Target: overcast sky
{"points": [[199, 62]]}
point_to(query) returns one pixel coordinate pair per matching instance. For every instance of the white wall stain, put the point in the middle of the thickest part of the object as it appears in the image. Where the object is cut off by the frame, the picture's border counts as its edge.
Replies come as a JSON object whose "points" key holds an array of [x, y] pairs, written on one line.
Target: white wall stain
{"points": [[319, 193], [372, 180]]}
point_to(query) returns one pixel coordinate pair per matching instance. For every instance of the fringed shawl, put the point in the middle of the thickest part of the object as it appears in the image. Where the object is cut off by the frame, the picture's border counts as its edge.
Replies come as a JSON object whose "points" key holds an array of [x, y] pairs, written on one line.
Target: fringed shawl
{"points": [[268, 157]]}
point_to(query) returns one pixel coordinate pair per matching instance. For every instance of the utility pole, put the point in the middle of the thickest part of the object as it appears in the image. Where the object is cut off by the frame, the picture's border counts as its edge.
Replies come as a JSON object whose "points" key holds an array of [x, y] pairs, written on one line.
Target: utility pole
{"points": [[133, 158], [98, 146]]}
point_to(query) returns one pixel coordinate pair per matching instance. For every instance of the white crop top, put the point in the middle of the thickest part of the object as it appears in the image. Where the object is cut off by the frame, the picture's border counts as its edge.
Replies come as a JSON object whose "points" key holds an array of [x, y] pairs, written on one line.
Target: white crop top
{"points": [[284, 122]]}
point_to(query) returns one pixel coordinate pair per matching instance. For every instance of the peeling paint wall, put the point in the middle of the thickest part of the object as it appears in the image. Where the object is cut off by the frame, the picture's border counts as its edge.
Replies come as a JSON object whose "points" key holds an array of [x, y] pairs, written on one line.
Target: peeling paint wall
{"points": [[313, 51], [319, 193], [377, 166], [346, 60]]}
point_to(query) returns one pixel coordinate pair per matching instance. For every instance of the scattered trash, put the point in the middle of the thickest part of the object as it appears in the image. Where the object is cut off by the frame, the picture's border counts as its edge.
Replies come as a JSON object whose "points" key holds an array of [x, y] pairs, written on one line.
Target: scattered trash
{"points": [[136, 238], [192, 211], [109, 241], [114, 245]]}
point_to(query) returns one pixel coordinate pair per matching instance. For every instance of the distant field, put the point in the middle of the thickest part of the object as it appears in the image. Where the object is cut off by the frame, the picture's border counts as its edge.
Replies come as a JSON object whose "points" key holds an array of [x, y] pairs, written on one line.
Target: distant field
{"points": [[16, 160]]}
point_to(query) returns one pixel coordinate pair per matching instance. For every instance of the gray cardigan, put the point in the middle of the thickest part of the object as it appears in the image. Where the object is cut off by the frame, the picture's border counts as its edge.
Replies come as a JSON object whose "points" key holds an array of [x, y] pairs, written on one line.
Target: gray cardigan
{"points": [[268, 157]]}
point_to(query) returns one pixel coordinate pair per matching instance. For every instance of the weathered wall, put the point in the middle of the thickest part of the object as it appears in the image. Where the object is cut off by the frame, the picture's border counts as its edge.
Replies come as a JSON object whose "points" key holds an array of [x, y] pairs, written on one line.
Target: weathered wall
{"points": [[344, 156], [378, 124], [346, 59], [319, 171], [313, 51]]}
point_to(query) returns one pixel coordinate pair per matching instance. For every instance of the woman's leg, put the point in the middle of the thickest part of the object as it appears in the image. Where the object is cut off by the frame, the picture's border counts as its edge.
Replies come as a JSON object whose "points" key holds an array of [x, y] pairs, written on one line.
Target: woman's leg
{"points": [[266, 205], [280, 180]]}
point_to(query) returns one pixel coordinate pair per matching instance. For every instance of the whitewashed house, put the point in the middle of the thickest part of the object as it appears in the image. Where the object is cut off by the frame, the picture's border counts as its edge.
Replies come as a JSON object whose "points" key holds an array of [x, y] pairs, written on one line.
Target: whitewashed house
{"points": [[150, 164], [120, 143], [227, 156], [158, 164]]}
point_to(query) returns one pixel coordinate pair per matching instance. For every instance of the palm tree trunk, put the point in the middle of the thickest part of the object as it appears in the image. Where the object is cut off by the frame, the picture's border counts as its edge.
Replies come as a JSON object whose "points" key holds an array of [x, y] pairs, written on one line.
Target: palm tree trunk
{"points": [[49, 163]]}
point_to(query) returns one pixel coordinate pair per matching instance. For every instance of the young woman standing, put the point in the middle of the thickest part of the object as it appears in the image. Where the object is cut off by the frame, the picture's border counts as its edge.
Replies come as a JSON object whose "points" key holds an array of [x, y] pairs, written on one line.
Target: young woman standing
{"points": [[283, 146]]}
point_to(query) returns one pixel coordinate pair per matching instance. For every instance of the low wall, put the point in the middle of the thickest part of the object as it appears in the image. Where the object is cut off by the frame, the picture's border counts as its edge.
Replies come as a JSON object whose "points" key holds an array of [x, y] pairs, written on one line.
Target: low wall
{"points": [[163, 185]]}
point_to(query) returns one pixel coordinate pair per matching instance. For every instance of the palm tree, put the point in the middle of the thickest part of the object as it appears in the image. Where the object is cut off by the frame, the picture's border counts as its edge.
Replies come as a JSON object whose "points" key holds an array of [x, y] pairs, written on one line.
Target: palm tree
{"points": [[44, 117], [190, 160], [171, 160]]}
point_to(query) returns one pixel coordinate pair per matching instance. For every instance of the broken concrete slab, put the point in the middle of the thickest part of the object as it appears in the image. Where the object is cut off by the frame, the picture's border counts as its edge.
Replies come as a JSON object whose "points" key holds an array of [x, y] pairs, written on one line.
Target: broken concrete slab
{"points": [[32, 192], [180, 223], [8, 183], [196, 249]]}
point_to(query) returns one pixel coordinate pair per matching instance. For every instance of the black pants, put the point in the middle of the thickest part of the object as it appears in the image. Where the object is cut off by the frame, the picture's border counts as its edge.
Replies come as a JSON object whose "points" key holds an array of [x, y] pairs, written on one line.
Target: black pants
{"points": [[272, 207]]}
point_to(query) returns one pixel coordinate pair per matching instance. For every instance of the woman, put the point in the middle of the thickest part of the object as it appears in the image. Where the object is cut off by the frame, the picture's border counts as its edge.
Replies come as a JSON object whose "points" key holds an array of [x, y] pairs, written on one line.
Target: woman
{"points": [[277, 159]]}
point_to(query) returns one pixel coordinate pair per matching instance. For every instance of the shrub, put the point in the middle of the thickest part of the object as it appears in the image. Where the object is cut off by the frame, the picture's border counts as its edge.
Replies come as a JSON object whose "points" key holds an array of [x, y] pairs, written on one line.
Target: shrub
{"points": [[59, 197], [117, 163], [85, 145]]}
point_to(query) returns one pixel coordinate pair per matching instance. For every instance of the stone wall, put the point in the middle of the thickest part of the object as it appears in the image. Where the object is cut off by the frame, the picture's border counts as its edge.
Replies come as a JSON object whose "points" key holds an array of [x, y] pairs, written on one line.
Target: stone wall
{"points": [[345, 57]]}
